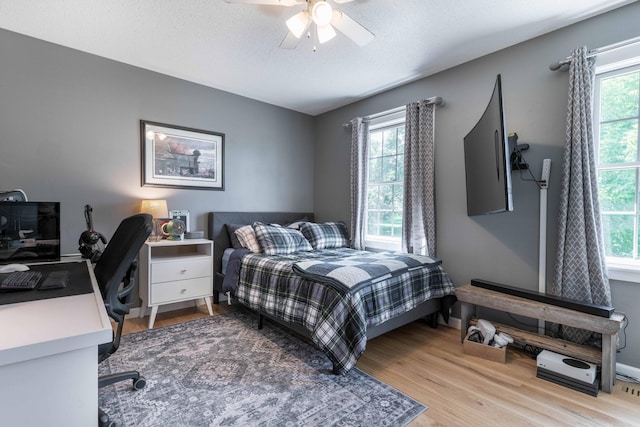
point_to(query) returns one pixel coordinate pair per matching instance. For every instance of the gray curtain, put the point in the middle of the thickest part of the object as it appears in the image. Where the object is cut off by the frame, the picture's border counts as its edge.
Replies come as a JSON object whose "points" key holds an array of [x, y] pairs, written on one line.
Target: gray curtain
{"points": [[419, 219], [359, 172], [580, 270]]}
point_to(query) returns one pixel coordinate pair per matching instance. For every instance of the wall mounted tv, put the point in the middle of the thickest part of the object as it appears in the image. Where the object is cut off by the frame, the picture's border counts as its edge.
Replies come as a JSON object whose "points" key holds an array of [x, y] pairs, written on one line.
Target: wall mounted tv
{"points": [[29, 232], [486, 159]]}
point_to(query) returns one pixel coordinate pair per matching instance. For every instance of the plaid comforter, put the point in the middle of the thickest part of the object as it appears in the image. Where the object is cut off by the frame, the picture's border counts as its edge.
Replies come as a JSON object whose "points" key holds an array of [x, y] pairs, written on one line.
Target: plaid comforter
{"points": [[337, 320]]}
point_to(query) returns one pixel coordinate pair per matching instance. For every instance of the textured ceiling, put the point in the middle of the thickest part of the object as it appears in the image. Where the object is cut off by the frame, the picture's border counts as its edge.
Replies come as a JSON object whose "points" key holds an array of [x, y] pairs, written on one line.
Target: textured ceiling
{"points": [[235, 47]]}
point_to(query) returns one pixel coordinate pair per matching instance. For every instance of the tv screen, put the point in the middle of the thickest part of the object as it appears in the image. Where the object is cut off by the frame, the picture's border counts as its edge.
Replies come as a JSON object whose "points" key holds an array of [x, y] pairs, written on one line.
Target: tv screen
{"points": [[29, 232], [486, 159]]}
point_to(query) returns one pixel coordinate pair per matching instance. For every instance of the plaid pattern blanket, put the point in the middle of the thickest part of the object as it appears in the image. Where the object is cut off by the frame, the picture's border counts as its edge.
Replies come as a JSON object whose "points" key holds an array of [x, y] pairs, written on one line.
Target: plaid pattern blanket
{"points": [[337, 320], [352, 273]]}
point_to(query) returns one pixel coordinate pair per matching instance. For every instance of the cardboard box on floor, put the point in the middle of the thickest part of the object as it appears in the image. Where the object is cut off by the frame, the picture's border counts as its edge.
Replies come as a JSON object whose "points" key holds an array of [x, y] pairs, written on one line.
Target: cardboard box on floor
{"points": [[485, 351]]}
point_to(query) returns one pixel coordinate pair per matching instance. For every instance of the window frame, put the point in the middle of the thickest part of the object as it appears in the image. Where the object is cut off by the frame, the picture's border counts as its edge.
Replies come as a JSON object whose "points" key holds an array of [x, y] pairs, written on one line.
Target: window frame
{"points": [[376, 242], [619, 268]]}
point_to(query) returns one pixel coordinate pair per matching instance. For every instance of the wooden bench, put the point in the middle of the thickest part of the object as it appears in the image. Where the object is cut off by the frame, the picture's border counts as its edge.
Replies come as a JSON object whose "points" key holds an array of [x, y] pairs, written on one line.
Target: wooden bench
{"points": [[472, 296]]}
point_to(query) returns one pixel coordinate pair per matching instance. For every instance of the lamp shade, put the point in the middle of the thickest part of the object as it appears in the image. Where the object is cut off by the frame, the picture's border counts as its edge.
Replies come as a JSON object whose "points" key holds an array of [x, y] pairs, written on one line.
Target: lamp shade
{"points": [[299, 23], [156, 208]]}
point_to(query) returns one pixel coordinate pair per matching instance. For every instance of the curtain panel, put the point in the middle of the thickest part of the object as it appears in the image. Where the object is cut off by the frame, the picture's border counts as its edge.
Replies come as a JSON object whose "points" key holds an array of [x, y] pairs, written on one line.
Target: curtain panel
{"points": [[419, 217], [359, 173], [580, 271]]}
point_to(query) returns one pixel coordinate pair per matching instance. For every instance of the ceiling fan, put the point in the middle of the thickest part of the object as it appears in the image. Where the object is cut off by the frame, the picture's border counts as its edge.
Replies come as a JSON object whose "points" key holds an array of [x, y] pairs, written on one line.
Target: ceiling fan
{"points": [[318, 21]]}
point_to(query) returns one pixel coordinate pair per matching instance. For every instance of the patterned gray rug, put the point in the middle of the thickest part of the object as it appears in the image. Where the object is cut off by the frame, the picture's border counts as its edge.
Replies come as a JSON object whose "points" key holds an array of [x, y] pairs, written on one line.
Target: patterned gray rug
{"points": [[223, 371]]}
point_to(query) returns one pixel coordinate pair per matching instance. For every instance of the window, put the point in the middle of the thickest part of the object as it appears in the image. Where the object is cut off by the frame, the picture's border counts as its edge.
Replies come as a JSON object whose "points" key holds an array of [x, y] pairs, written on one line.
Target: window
{"points": [[385, 182], [616, 134]]}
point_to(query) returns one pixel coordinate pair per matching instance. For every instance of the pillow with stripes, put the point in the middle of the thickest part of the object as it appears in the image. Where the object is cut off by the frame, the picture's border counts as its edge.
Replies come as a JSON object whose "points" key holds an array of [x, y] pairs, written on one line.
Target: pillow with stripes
{"points": [[275, 239], [327, 235], [247, 238]]}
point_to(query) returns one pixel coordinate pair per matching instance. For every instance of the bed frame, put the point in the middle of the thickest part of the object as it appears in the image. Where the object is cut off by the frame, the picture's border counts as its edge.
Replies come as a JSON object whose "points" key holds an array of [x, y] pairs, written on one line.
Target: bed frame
{"points": [[218, 233]]}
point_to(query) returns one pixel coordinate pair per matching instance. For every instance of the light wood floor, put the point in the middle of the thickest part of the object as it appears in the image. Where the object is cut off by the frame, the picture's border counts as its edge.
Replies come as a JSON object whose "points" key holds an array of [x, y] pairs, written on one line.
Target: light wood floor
{"points": [[461, 390]]}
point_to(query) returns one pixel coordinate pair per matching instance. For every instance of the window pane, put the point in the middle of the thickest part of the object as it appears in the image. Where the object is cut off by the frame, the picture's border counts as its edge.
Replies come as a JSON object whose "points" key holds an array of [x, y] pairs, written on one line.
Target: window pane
{"points": [[373, 201], [397, 224], [375, 144], [619, 97], [386, 197], [618, 235], [389, 142], [375, 170], [384, 192], [617, 190], [398, 197], [400, 148], [386, 224], [618, 142], [389, 172], [372, 223]]}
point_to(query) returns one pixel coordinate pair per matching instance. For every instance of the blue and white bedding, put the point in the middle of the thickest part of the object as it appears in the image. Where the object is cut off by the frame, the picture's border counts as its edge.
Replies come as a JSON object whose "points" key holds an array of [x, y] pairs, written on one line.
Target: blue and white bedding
{"points": [[351, 273], [337, 316]]}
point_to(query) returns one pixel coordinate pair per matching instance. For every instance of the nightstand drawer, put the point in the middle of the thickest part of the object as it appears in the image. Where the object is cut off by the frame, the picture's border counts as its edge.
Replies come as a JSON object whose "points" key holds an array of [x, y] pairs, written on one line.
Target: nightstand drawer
{"points": [[180, 270], [181, 290]]}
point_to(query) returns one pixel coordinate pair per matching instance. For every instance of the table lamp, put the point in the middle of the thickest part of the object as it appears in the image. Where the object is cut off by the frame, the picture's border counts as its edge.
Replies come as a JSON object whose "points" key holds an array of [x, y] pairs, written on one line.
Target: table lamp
{"points": [[158, 210]]}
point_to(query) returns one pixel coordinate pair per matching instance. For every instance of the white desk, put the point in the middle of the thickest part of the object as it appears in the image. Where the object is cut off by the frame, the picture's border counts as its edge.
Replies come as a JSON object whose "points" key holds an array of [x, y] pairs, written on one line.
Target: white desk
{"points": [[49, 360]]}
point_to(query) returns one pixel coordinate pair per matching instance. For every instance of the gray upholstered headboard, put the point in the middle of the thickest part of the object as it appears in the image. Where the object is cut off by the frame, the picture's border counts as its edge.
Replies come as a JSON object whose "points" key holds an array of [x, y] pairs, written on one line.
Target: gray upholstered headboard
{"points": [[218, 232]]}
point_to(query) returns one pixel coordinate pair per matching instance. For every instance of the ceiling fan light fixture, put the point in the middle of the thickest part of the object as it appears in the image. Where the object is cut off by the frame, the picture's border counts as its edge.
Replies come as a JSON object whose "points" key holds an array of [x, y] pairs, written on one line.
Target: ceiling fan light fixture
{"points": [[325, 33], [321, 13], [299, 23]]}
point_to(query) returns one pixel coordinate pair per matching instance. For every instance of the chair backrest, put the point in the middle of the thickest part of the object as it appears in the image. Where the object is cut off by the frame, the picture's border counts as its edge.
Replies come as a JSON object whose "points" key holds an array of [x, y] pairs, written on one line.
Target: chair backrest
{"points": [[117, 259]]}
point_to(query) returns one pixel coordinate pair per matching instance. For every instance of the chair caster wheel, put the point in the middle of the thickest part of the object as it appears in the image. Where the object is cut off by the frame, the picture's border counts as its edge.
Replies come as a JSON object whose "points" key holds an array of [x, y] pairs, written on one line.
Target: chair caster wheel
{"points": [[103, 419], [139, 383]]}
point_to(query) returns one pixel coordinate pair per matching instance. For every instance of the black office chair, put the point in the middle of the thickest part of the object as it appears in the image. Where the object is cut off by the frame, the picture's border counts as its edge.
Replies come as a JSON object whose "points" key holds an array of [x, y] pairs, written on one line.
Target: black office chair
{"points": [[116, 267]]}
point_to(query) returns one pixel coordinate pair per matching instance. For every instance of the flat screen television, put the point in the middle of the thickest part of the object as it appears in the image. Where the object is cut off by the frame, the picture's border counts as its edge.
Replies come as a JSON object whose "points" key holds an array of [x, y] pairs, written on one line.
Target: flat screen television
{"points": [[29, 232], [486, 159]]}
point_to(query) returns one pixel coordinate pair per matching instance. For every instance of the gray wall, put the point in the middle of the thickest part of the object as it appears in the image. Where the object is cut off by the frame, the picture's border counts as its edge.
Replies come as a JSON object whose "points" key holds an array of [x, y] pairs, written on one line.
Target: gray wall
{"points": [[69, 132], [502, 247]]}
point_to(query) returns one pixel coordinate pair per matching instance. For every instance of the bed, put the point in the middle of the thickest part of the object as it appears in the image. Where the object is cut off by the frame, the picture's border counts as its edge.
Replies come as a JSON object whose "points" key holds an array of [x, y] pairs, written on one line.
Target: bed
{"points": [[337, 320]]}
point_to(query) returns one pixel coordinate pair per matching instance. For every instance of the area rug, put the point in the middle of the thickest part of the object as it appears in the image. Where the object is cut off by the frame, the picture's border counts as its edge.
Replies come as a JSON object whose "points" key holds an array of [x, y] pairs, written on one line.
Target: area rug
{"points": [[223, 371]]}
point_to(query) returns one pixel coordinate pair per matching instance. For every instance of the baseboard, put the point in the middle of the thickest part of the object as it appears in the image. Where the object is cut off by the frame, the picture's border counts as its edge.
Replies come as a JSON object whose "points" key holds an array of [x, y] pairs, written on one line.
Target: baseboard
{"points": [[629, 371]]}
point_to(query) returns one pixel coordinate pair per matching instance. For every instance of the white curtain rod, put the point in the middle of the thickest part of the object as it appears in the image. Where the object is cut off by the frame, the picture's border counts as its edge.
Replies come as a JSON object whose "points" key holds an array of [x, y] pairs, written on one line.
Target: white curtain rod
{"points": [[433, 100], [558, 64]]}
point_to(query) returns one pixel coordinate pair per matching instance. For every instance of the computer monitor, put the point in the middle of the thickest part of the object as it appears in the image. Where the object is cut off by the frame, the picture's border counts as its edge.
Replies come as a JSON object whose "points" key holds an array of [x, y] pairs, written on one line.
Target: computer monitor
{"points": [[29, 232]]}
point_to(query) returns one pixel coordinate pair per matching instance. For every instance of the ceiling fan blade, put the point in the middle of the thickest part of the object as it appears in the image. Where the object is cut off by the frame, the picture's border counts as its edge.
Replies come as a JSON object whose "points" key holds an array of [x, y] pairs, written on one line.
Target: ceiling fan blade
{"points": [[268, 2], [350, 28], [290, 41]]}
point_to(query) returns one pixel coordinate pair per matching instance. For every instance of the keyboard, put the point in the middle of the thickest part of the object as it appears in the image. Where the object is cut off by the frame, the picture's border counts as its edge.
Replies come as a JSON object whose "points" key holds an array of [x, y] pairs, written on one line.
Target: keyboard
{"points": [[24, 280]]}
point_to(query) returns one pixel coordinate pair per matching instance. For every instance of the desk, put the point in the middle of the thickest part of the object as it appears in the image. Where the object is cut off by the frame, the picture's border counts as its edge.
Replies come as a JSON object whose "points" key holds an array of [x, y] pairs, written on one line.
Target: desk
{"points": [[49, 359]]}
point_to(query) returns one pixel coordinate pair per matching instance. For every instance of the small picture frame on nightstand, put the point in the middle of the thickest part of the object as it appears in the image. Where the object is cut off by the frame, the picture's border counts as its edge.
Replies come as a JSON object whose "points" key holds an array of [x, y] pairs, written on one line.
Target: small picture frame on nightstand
{"points": [[183, 215]]}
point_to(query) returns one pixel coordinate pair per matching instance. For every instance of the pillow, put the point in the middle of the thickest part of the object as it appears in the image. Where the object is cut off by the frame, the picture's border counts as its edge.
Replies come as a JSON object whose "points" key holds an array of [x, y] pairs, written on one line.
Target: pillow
{"points": [[326, 236], [276, 239], [297, 223], [231, 231], [247, 238]]}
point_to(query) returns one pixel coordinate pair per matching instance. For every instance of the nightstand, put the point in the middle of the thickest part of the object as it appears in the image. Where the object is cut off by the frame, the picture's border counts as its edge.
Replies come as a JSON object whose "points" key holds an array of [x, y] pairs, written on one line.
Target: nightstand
{"points": [[173, 271]]}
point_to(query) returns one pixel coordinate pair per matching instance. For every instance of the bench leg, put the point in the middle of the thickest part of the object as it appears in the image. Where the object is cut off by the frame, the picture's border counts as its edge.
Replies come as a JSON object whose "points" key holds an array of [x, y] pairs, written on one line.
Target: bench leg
{"points": [[467, 311], [608, 371]]}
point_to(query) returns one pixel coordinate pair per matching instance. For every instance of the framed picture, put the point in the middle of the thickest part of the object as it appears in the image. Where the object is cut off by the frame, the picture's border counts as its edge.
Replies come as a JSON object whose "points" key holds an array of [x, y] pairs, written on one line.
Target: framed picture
{"points": [[180, 157], [183, 215]]}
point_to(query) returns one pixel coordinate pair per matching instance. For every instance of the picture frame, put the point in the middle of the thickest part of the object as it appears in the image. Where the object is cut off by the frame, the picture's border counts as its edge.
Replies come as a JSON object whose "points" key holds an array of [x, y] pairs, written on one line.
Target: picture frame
{"points": [[181, 157], [183, 215]]}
